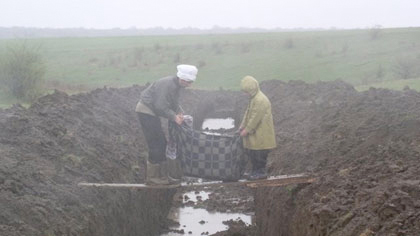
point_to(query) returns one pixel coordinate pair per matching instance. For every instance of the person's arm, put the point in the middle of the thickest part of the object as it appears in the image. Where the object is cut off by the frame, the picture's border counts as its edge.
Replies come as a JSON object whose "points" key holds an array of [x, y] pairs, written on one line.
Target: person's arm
{"points": [[255, 114], [162, 105], [242, 126], [164, 97]]}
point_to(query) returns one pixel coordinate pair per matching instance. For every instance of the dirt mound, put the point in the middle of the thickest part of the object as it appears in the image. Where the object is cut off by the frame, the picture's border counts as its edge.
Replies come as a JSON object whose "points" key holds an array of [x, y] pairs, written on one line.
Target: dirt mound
{"points": [[62, 140], [365, 149]]}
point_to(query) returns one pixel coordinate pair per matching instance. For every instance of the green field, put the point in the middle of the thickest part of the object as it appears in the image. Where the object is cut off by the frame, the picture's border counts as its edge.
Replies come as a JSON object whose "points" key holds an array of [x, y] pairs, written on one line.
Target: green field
{"points": [[354, 56]]}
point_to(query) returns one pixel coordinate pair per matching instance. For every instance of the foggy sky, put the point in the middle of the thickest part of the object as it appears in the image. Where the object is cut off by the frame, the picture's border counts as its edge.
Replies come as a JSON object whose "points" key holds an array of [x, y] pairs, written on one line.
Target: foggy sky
{"points": [[204, 14]]}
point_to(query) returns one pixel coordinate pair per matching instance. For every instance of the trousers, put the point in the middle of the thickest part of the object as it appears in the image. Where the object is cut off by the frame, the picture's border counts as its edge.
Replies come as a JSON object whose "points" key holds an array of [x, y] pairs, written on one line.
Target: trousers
{"points": [[258, 158], [155, 137]]}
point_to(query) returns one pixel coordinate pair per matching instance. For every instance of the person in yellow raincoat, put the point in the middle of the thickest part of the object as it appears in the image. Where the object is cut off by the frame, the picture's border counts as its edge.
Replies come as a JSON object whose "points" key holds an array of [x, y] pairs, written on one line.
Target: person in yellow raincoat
{"points": [[257, 128]]}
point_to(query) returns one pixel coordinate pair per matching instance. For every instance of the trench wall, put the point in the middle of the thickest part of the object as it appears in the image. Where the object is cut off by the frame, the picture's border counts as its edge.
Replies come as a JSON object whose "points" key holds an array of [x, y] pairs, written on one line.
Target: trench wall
{"points": [[128, 212], [364, 149]]}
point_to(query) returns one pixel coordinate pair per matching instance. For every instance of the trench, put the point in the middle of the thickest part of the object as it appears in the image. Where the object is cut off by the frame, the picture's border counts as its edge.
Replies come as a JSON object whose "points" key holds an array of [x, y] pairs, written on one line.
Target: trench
{"points": [[170, 212], [91, 145], [191, 214], [362, 146]]}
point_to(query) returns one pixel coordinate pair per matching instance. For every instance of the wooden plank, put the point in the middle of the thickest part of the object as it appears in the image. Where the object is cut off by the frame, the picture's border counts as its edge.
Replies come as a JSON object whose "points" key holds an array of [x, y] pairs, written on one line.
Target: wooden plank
{"points": [[281, 182], [274, 181], [121, 185]]}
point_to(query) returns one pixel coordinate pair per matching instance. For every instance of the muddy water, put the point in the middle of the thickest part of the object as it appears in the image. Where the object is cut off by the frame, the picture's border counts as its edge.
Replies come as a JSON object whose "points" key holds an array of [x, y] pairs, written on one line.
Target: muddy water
{"points": [[197, 221], [215, 124]]}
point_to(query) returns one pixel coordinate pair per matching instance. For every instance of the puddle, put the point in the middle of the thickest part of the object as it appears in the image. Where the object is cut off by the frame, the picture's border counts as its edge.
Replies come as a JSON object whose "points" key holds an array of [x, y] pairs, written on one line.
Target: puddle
{"points": [[215, 124], [198, 221], [201, 222]]}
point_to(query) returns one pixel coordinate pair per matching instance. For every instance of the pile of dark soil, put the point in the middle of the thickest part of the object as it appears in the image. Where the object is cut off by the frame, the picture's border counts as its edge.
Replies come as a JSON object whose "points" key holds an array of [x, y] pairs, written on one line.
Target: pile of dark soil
{"points": [[61, 140], [363, 146]]}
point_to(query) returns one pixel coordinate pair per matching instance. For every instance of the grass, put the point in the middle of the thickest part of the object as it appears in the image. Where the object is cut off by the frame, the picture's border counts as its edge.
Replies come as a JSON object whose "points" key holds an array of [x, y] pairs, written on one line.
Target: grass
{"points": [[7, 100], [80, 64]]}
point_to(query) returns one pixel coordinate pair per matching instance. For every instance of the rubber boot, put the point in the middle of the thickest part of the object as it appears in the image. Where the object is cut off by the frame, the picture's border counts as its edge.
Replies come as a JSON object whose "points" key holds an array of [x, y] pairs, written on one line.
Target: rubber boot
{"points": [[174, 168], [154, 176], [165, 173], [258, 174]]}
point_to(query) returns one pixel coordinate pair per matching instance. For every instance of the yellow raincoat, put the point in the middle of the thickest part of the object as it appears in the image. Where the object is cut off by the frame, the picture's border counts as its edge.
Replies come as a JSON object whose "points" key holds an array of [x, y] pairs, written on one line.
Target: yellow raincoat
{"points": [[258, 119]]}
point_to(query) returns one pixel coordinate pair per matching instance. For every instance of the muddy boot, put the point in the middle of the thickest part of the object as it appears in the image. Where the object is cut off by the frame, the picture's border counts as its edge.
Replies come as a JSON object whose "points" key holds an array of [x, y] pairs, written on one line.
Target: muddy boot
{"points": [[258, 174], [174, 168], [166, 174], [154, 175]]}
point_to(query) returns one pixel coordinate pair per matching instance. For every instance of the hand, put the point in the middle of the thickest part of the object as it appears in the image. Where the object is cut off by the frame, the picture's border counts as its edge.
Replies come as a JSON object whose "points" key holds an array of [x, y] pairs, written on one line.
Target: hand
{"points": [[239, 130], [243, 133], [179, 119]]}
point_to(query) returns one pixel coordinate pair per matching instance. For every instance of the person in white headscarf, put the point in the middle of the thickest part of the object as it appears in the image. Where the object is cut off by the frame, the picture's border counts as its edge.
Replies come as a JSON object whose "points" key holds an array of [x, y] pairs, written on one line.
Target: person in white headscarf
{"points": [[160, 99]]}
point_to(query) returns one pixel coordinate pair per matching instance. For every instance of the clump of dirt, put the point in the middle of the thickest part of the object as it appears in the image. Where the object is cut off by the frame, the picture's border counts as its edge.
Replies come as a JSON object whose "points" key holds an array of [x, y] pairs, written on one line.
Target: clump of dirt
{"points": [[237, 228]]}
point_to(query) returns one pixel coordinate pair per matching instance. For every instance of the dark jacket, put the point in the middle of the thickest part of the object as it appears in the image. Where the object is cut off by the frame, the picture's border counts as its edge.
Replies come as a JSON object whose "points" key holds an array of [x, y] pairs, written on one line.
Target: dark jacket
{"points": [[162, 97]]}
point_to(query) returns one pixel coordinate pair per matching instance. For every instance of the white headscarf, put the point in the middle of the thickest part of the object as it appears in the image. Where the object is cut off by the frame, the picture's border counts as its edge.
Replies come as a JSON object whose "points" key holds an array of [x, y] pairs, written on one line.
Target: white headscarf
{"points": [[187, 72]]}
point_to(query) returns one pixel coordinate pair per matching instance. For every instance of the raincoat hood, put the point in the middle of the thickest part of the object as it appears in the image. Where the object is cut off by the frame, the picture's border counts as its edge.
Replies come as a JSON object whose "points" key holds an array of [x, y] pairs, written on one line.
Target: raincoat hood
{"points": [[250, 85]]}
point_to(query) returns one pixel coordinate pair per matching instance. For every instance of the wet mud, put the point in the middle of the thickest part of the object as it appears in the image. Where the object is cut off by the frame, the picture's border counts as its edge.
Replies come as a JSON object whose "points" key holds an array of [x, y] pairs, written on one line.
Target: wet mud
{"points": [[363, 147]]}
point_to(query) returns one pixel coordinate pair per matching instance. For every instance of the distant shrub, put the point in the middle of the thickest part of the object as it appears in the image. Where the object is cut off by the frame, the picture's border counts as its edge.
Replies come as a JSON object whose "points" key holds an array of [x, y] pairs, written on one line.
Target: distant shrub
{"points": [[22, 72], [406, 68]]}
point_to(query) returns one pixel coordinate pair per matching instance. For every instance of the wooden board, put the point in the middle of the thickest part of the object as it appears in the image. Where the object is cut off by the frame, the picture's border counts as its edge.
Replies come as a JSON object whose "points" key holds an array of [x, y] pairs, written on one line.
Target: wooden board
{"points": [[121, 185], [273, 181]]}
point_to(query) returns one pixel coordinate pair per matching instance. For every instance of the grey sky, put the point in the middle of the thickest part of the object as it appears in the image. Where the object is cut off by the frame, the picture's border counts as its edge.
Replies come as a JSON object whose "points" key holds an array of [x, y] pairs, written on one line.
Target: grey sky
{"points": [[105, 14]]}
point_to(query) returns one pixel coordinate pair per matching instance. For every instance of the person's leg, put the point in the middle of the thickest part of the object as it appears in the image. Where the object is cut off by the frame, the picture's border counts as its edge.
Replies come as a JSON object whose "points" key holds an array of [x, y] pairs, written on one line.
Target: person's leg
{"points": [[259, 161], [156, 142], [155, 137]]}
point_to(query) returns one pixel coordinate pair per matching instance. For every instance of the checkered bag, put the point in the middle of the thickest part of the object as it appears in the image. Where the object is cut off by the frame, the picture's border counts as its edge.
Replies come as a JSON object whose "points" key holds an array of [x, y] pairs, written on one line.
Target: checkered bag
{"points": [[207, 155]]}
